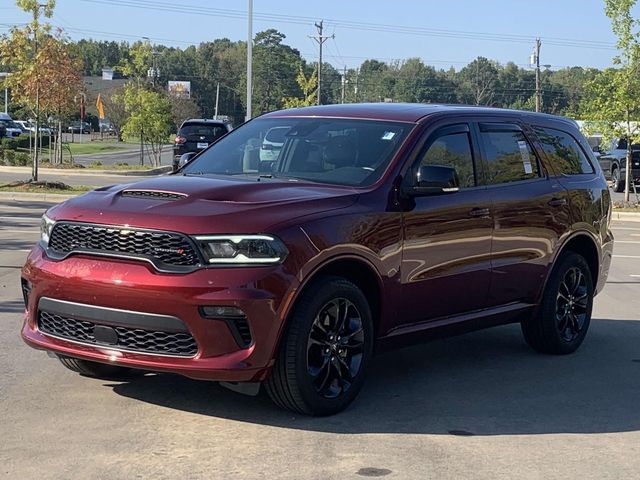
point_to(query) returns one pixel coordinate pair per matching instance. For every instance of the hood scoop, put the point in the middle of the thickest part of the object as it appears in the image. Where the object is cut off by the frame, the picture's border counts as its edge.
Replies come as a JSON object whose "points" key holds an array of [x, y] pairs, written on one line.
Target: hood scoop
{"points": [[154, 194]]}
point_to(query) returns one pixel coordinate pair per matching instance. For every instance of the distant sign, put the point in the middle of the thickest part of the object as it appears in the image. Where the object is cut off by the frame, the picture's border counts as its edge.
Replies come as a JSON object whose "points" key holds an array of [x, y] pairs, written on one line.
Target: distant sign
{"points": [[180, 89]]}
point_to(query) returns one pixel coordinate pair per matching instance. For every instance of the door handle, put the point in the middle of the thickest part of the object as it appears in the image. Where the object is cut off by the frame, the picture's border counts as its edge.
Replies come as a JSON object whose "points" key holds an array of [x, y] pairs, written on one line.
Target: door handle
{"points": [[479, 212], [557, 202]]}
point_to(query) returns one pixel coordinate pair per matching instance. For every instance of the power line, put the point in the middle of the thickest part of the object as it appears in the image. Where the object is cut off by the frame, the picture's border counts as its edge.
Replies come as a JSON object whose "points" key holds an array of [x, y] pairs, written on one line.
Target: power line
{"points": [[366, 26]]}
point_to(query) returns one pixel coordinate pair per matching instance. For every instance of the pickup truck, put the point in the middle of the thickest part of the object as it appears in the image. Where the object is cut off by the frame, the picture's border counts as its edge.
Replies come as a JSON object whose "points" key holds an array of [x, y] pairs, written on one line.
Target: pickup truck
{"points": [[614, 164]]}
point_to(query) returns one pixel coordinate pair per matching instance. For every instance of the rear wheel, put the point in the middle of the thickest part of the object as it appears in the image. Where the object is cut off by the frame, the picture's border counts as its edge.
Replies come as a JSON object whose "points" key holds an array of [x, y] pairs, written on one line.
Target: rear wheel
{"points": [[564, 315], [93, 369], [325, 350], [618, 183]]}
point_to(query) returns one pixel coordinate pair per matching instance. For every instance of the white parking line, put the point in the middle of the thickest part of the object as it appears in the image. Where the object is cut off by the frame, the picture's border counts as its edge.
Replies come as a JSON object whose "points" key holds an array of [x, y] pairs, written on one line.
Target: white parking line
{"points": [[636, 242], [626, 228], [626, 256], [22, 219], [635, 276]]}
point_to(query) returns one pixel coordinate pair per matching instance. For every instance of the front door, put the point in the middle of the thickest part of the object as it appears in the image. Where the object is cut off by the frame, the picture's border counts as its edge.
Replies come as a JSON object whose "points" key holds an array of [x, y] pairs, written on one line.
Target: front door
{"points": [[446, 266]]}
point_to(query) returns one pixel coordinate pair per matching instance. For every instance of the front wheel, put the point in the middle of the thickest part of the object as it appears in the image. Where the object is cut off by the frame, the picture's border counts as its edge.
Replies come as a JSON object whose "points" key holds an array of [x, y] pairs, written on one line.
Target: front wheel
{"points": [[563, 318], [618, 182], [325, 350]]}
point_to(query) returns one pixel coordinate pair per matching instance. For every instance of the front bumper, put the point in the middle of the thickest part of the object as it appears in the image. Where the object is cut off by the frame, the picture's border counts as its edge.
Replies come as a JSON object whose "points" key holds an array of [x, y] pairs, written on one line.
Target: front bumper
{"points": [[132, 287]]}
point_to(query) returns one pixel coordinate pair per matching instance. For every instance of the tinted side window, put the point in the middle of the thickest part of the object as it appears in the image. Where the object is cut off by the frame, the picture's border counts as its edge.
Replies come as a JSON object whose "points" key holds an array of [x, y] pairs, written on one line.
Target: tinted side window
{"points": [[509, 157], [452, 151], [563, 151]]}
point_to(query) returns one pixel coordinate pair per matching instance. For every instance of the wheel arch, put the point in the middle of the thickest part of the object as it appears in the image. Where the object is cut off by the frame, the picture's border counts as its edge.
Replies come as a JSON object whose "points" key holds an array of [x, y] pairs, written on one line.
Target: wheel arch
{"points": [[357, 270], [583, 244]]}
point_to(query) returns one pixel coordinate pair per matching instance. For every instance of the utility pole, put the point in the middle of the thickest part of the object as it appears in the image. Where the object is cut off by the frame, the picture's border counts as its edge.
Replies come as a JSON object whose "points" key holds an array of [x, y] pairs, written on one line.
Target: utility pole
{"points": [[6, 91], [536, 61], [344, 81], [249, 60], [355, 90], [320, 39], [215, 115]]}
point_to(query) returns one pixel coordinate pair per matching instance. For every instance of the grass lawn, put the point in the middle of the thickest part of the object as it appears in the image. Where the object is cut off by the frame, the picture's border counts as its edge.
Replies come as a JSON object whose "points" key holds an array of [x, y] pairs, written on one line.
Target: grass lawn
{"points": [[45, 187], [94, 147]]}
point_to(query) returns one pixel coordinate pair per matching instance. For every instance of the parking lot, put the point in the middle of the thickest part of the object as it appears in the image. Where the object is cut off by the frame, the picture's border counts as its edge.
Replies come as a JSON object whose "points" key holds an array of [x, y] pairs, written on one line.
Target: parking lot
{"points": [[481, 405]]}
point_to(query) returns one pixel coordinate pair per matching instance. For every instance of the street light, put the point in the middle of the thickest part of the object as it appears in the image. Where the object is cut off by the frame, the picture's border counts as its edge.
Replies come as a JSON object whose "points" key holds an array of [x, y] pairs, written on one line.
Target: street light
{"points": [[6, 91]]}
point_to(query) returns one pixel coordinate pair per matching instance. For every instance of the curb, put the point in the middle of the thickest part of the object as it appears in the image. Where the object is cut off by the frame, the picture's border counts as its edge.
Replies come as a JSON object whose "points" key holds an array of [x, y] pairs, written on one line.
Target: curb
{"points": [[625, 216], [90, 171], [36, 197]]}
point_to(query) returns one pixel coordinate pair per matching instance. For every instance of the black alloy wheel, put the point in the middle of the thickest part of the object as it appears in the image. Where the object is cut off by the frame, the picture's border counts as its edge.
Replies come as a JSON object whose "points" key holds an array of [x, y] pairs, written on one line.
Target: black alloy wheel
{"points": [[560, 323], [335, 347], [571, 304], [325, 349]]}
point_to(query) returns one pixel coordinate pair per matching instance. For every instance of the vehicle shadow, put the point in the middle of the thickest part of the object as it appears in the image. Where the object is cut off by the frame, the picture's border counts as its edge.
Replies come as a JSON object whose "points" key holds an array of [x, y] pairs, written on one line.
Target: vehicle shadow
{"points": [[12, 306], [485, 383]]}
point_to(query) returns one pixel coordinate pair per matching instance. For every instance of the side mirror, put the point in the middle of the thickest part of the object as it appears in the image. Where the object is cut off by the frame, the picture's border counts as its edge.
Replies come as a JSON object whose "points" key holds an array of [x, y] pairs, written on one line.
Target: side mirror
{"points": [[185, 158], [596, 149], [434, 180]]}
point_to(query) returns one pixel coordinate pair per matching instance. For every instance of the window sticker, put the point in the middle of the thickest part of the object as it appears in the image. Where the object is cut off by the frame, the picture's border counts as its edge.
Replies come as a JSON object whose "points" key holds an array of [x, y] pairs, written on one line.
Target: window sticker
{"points": [[388, 135], [526, 160]]}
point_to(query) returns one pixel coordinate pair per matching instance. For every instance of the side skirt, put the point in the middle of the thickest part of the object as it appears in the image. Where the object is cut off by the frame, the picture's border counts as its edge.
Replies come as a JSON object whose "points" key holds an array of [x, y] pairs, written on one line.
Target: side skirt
{"points": [[451, 326]]}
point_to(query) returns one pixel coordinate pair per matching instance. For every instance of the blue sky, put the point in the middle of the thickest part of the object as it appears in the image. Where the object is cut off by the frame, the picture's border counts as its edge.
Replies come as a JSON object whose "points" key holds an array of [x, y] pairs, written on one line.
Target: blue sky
{"points": [[449, 33]]}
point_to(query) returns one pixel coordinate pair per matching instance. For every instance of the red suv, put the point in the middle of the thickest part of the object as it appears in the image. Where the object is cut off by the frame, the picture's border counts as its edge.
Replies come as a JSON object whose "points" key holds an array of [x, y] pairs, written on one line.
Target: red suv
{"points": [[374, 226]]}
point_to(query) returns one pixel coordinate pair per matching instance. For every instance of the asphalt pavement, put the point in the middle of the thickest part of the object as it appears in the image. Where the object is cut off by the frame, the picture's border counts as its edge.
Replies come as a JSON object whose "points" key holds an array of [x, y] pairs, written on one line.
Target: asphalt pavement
{"points": [[482, 405]]}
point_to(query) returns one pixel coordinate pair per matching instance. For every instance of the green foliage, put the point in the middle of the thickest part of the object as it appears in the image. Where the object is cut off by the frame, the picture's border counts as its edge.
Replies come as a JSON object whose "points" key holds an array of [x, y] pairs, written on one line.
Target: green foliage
{"points": [[308, 86], [149, 116], [22, 142]]}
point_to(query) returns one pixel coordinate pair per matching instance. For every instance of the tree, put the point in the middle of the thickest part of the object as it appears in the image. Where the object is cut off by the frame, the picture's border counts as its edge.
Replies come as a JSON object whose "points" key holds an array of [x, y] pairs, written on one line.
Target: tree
{"points": [[137, 61], [613, 96], [116, 110], [182, 109], [149, 117], [479, 81], [20, 51], [308, 87]]}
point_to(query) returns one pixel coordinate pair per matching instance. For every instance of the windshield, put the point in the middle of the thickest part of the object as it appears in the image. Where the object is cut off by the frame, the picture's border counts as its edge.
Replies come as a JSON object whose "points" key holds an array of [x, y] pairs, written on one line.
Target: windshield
{"points": [[326, 150]]}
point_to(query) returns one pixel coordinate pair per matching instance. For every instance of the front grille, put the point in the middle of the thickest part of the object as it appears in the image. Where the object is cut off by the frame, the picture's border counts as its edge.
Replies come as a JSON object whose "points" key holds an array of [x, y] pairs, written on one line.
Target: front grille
{"points": [[154, 194], [167, 248], [133, 339]]}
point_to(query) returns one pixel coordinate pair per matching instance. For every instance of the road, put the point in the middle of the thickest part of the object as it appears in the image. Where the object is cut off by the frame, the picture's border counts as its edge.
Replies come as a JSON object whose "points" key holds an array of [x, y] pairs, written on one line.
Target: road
{"points": [[480, 406]]}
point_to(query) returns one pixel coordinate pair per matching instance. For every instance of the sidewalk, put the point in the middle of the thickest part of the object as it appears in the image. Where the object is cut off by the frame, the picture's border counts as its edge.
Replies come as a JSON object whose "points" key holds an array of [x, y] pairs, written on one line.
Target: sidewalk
{"points": [[89, 171]]}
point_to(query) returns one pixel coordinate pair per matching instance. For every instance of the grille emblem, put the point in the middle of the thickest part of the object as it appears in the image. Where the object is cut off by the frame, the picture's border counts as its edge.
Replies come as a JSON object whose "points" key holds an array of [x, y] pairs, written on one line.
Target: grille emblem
{"points": [[179, 251]]}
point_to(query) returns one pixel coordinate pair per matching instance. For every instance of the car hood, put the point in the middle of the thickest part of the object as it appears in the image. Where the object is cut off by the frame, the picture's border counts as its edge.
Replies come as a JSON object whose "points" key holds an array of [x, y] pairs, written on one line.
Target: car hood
{"points": [[206, 204]]}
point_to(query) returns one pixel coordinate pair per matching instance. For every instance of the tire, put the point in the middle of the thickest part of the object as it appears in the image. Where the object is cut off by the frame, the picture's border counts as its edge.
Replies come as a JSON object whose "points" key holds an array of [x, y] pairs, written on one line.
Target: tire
{"points": [[618, 183], [563, 317], [320, 367], [94, 369]]}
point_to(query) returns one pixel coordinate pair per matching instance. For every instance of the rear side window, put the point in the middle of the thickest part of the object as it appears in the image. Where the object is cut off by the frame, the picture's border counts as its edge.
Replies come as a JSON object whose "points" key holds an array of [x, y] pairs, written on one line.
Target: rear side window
{"points": [[453, 151], [563, 151], [509, 156]]}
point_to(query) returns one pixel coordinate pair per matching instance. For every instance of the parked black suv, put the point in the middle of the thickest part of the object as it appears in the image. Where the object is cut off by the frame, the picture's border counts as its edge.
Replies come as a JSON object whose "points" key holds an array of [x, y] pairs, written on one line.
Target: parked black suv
{"points": [[197, 134]]}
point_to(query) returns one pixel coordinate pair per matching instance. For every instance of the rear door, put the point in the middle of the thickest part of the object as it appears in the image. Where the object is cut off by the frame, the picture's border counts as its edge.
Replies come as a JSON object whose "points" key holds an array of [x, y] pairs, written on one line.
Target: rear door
{"points": [[530, 211], [445, 269]]}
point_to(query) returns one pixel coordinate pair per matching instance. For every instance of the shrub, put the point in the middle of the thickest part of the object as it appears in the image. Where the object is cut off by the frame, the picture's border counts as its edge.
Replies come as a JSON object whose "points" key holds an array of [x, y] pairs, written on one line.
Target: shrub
{"points": [[9, 157], [22, 141], [95, 164], [21, 159]]}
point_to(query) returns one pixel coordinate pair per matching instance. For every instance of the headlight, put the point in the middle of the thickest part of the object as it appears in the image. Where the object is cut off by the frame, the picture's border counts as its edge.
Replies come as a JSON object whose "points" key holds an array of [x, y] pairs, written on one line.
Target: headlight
{"points": [[242, 249], [46, 225]]}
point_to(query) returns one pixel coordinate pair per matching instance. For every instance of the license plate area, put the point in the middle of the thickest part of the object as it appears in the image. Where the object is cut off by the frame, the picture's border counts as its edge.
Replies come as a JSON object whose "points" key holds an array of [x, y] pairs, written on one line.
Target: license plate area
{"points": [[202, 145]]}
